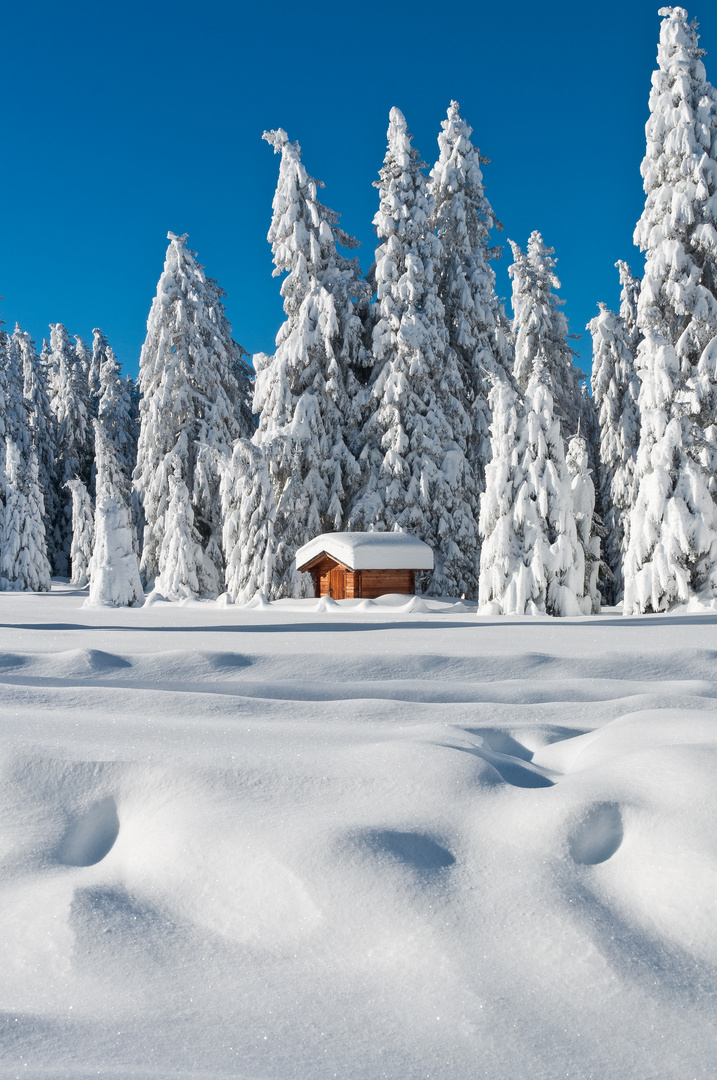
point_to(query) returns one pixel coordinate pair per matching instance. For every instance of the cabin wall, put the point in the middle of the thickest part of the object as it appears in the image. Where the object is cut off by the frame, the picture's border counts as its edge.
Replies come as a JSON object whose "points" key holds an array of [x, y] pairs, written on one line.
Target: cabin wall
{"points": [[377, 582], [358, 584]]}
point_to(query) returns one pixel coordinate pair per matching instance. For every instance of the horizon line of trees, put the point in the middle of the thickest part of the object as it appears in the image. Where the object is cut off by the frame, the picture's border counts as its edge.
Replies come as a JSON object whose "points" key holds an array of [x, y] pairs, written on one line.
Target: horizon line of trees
{"points": [[402, 399]]}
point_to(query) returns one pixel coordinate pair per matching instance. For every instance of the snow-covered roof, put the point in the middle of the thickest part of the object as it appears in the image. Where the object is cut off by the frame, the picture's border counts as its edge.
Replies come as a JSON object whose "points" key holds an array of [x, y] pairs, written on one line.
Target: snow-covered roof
{"points": [[369, 551]]}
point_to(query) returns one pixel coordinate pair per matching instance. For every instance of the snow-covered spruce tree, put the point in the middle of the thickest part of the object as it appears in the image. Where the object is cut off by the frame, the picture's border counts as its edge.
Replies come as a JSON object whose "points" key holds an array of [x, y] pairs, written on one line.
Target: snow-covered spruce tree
{"points": [[114, 410], [544, 509], [72, 426], [503, 557], [233, 375], [542, 570], [415, 473], [84, 358], [249, 511], [189, 381], [114, 568], [42, 428], [541, 332], [22, 544], [182, 561], [474, 317], [82, 531], [629, 298], [588, 529], [3, 409], [23, 553], [99, 355], [16, 411], [672, 552], [240, 388], [301, 394], [615, 392]]}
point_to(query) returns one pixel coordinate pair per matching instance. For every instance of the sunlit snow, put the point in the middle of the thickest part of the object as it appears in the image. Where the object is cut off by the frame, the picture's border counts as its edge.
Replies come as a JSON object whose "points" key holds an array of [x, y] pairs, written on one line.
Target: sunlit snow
{"points": [[361, 839]]}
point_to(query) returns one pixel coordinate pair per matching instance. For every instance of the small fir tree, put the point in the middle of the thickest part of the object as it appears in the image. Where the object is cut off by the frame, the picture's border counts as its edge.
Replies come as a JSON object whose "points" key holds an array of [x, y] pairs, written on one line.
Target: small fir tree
{"points": [[181, 559], [82, 532], [248, 510], [71, 423], [615, 391], [588, 528], [23, 553], [504, 556], [544, 510], [42, 431], [114, 568]]}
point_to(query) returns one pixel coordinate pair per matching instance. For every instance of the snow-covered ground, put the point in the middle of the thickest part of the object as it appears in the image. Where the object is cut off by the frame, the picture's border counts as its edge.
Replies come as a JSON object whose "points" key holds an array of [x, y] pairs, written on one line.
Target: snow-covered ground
{"points": [[372, 840]]}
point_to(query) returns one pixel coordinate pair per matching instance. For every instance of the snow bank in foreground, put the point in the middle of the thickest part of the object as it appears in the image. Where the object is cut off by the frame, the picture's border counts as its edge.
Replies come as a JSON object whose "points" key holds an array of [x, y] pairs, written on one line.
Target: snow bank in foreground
{"points": [[284, 842]]}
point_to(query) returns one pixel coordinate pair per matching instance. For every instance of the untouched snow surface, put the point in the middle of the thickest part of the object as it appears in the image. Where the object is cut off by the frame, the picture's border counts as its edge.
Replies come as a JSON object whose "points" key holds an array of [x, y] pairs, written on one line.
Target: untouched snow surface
{"points": [[357, 840]]}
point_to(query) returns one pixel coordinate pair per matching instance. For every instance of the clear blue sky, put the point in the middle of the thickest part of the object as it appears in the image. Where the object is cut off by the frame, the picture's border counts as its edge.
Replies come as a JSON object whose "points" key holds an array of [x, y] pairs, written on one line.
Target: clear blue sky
{"points": [[121, 121]]}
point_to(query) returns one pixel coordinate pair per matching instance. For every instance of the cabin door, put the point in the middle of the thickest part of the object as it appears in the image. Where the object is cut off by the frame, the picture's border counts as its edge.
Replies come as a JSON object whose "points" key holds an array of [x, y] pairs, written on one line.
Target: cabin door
{"points": [[337, 583]]}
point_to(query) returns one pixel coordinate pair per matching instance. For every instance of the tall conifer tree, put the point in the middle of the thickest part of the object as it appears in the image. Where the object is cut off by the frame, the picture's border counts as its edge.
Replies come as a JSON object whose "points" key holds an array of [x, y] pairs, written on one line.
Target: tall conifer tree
{"points": [[190, 384], [303, 393], [82, 532], [474, 318], [72, 425], [23, 553], [672, 553], [615, 392], [541, 331], [415, 473], [41, 423]]}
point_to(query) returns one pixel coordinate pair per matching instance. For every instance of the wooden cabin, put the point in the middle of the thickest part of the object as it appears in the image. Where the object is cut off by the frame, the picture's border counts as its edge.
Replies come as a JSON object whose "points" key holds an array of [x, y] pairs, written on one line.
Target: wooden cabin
{"points": [[364, 565]]}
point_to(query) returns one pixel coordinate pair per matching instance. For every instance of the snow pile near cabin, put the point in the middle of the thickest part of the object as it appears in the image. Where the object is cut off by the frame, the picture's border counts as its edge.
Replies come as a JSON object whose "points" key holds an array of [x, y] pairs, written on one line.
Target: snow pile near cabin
{"points": [[293, 842]]}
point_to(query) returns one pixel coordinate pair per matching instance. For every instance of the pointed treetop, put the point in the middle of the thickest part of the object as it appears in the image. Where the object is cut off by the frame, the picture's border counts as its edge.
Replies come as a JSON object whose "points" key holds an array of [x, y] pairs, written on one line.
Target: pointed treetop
{"points": [[396, 120], [399, 141], [677, 13], [180, 239], [279, 139]]}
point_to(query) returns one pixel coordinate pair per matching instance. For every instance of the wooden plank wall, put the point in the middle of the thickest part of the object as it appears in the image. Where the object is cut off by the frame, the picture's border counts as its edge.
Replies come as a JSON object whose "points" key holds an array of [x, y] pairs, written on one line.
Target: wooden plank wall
{"points": [[366, 583], [377, 582]]}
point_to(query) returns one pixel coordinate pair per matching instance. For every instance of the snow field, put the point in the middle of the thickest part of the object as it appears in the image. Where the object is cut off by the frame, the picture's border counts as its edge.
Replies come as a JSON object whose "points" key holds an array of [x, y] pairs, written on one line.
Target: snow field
{"points": [[309, 841]]}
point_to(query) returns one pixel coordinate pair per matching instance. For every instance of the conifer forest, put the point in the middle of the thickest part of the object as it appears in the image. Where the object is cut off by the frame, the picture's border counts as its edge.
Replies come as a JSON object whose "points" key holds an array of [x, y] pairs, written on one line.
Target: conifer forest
{"points": [[405, 399]]}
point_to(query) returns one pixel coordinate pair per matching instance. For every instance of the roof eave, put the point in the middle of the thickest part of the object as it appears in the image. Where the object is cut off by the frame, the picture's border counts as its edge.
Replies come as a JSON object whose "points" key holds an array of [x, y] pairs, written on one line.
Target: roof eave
{"points": [[307, 567]]}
